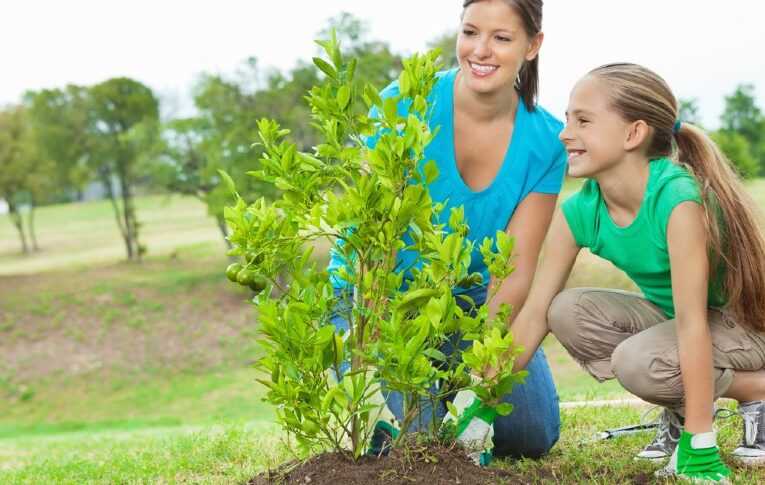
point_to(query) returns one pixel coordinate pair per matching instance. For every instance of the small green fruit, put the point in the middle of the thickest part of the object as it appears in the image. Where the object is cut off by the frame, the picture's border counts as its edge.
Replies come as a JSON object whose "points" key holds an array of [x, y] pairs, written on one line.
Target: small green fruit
{"points": [[232, 271], [476, 278], [253, 257], [258, 283], [245, 277]]}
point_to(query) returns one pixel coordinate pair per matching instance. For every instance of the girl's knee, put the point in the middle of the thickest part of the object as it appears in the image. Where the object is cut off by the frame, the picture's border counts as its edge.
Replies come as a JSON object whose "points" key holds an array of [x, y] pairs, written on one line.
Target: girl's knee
{"points": [[563, 318], [652, 377]]}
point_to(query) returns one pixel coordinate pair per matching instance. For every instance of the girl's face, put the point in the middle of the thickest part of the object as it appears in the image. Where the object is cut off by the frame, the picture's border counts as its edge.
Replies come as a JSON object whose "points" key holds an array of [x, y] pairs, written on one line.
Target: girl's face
{"points": [[594, 134], [492, 45]]}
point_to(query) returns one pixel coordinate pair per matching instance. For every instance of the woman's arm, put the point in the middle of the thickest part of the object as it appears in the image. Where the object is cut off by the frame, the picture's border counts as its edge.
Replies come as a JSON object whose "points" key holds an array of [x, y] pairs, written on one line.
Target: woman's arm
{"points": [[687, 239], [528, 225]]}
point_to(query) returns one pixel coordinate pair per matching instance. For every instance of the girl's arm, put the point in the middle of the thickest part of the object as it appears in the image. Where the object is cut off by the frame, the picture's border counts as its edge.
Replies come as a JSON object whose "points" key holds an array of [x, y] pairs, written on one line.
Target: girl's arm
{"points": [[530, 326], [528, 225], [687, 239]]}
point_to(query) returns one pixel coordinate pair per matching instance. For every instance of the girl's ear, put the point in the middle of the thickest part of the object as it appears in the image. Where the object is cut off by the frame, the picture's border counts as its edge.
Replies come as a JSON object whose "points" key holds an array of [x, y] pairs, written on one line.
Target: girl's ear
{"points": [[637, 134]]}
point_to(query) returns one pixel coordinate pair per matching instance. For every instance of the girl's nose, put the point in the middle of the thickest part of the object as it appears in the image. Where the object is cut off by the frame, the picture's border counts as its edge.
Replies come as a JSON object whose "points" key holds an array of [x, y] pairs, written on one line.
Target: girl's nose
{"points": [[564, 134]]}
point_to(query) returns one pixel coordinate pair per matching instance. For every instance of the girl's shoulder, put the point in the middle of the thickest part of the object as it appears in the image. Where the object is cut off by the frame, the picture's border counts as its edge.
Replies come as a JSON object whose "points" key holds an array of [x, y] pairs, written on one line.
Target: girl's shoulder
{"points": [[671, 180]]}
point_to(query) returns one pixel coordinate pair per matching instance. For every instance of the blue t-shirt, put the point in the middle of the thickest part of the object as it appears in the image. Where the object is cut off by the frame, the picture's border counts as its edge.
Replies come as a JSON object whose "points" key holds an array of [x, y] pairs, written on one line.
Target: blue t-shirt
{"points": [[534, 162]]}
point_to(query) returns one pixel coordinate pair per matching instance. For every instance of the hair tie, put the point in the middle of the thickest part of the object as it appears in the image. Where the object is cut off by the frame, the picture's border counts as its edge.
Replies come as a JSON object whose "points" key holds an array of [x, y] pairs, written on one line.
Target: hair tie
{"points": [[676, 129]]}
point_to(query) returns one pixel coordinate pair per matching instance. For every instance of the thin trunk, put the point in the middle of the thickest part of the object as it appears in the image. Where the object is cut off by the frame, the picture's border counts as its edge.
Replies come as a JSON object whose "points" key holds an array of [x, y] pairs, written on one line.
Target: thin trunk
{"points": [[31, 224], [106, 180], [224, 230], [129, 212], [17, 220]]}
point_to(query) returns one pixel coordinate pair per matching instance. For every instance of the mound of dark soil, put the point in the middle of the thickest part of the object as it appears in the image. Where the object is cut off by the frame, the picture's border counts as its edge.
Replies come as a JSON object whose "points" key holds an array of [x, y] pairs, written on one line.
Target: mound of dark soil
{"points": [[436, 466]]}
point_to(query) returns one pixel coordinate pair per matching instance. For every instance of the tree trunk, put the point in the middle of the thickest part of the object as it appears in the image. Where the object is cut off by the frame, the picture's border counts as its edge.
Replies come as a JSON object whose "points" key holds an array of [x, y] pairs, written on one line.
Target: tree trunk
{"points": [[106, 180], [129, 214], [31, 224], [17, 220], [224, 230]]}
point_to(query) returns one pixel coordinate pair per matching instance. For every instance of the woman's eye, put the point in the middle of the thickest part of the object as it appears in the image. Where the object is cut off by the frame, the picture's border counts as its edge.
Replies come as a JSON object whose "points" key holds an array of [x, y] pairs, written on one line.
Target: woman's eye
{"points": [[502, 38], [468, 32], [583, 121]]}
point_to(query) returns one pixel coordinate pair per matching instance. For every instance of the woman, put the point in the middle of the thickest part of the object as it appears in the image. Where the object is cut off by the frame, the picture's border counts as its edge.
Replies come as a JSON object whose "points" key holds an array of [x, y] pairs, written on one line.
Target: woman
{"points": [[499, 157]]}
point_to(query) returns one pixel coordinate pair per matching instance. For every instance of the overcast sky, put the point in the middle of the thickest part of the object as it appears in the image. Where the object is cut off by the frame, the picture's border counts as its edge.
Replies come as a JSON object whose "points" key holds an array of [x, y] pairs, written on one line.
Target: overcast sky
{"points": [[703, 48]]}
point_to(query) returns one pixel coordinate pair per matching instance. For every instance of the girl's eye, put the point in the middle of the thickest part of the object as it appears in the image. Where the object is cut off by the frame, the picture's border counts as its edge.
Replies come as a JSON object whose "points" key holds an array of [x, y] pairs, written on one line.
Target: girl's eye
{"points": [[502, 38], [583, 121], [468, 32]]}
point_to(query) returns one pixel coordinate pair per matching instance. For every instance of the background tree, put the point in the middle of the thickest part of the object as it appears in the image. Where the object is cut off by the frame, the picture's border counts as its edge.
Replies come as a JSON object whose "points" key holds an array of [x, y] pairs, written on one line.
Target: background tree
{"points": [[688, 111], [446, 42], [23, 171], [742, 116], [123, 124], [59, 123], [219, 138], [738, 151]]}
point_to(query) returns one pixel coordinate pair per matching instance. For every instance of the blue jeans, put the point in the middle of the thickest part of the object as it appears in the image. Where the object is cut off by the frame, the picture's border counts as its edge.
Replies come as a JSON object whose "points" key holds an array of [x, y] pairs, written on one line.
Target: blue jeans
{"points": [[529, 431]]}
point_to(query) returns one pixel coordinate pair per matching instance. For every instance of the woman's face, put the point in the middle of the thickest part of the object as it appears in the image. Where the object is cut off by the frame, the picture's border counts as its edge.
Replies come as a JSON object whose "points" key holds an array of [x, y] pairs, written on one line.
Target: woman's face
{"points": [[492, 45]]}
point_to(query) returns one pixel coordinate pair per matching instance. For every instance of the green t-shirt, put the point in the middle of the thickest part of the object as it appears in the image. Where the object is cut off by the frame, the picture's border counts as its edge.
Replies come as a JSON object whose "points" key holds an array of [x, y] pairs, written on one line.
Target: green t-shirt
{"points": [[640, 249]]}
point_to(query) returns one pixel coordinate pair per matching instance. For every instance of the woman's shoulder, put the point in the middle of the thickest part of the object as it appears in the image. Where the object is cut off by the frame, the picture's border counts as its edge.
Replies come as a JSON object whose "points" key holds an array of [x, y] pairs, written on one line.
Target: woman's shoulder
{"points": [[444, 80], [544, 120]]}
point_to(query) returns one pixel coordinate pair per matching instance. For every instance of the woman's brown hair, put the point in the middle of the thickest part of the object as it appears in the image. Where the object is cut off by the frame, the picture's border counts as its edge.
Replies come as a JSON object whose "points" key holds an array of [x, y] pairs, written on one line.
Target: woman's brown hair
{"points": [[732, 216], [530, 12]]}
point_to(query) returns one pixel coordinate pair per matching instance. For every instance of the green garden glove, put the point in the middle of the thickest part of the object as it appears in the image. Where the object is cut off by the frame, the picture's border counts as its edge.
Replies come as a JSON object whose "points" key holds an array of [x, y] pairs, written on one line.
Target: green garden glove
{"points": [[697, 459], [473, 428]]}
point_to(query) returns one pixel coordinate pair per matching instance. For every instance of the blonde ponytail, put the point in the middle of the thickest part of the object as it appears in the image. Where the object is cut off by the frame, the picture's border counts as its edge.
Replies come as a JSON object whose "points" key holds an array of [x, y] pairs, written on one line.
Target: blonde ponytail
{"points": [[737, 239], [732, 216]]}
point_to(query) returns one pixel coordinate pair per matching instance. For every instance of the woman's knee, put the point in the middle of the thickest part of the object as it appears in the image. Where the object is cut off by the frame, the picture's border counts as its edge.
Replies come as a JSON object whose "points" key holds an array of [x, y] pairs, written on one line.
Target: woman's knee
{"points": [[533, 439]]}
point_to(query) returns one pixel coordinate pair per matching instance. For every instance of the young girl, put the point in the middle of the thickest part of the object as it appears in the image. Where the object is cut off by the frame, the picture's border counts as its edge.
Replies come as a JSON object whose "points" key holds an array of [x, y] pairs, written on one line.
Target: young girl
{"points": [[664, 205], [498, 155]]}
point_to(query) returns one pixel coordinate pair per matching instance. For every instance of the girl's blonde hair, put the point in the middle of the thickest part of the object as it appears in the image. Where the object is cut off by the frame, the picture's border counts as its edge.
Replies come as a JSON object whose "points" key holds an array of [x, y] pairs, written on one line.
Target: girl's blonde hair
{"points": [[732, 216]]}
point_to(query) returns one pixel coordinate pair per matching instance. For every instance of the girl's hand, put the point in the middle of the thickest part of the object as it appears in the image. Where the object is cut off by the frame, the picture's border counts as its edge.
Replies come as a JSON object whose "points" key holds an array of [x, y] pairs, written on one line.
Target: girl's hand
{"points": [[697, 459]]}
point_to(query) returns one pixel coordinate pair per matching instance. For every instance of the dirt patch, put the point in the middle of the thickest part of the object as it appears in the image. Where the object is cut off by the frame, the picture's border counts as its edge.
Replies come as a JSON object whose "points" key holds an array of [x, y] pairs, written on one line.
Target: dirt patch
{"points": [[436, 466], [433, 465], [169, 313]]}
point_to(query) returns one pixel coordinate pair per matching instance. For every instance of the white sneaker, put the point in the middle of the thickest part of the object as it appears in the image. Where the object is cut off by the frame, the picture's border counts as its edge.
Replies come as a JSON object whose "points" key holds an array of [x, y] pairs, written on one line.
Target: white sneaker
{"points": [[665, 441], [751, 451]]}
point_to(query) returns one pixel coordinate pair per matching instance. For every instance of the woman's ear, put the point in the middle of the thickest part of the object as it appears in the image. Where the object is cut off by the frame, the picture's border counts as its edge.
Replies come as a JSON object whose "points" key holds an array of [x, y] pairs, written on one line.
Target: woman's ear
{"points": [[637, 133], [534, 45]]}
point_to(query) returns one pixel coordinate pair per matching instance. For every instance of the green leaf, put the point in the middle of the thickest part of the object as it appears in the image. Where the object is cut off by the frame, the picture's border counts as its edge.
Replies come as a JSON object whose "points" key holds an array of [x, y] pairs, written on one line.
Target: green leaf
{"points": [[390, 109], [434, 354], [504, 244], [403, 82], [343, 96], [228, 181], [325, 67], [414, 298], [339, 348], [373, 95], [452, 409], [504, 408], [350, 70], [430, 171]]}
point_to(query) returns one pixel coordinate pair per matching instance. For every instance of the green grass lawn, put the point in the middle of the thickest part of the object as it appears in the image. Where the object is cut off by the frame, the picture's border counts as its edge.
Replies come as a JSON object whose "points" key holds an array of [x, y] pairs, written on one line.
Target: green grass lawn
{"points": [[123, 373]]}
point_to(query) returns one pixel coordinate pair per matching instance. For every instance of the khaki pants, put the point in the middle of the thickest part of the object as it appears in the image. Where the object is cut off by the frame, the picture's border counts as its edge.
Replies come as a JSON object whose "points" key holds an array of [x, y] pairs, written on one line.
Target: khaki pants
{"points": [[619, 334]]}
